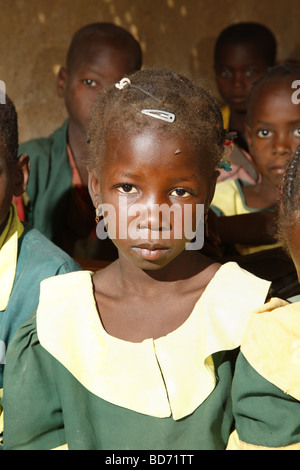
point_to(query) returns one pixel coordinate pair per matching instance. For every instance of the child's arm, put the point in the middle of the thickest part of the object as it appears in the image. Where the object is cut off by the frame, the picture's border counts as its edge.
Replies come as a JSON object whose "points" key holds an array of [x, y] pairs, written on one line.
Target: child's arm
{"points": [[32, 416], [257, 228]]}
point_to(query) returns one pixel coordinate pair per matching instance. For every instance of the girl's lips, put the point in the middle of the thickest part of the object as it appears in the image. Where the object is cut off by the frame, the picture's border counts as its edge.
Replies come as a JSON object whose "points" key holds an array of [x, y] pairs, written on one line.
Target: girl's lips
{"points": [[277, 170], [238, 99], [150, 252]]}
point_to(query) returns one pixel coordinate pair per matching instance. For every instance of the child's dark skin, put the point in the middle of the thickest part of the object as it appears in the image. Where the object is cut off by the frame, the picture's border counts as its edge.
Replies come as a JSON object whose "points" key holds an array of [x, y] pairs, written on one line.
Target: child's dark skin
{"points": [[13, 181], [96, 66], [238, 66], [151, 290], [273, 135]]}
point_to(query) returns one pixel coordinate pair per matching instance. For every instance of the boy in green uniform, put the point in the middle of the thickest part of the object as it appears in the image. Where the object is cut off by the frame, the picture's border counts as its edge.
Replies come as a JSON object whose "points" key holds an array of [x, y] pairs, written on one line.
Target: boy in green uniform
{"points": [[59, 204], [26, 256]]}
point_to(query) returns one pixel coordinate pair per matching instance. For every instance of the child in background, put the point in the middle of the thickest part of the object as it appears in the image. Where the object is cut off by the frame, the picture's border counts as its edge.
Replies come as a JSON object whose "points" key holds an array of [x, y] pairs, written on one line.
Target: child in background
{"points": [[26, 256], [139, 355], [266, 387], [247, 213], [59, 204], [243, 53]]}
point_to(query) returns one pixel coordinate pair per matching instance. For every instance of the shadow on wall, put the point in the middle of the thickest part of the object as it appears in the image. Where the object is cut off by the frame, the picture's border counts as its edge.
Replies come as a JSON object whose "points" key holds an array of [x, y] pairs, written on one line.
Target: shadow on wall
{"points": [[203, 69], [294, 56]]}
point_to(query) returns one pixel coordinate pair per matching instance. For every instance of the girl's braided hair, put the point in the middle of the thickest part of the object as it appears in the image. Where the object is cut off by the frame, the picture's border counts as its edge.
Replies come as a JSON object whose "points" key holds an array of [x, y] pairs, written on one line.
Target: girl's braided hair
{"points": [[289, 203], [197, 114]]}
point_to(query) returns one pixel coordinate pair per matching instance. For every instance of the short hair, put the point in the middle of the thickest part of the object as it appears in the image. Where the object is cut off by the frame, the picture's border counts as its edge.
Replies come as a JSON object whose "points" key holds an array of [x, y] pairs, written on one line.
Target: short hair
{"points": [[9, 130], [249, 33], [103, 32], [197, 113], [289, 201], [281, 73]]}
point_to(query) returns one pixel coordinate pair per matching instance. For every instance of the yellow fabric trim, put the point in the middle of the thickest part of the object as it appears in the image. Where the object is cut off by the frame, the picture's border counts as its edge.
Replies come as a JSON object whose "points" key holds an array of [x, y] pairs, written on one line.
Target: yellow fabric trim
{"points": [[235, 443], [226, 116], [1, 418], [148, 377], [272, 344], [63, 447], [8, 255]]}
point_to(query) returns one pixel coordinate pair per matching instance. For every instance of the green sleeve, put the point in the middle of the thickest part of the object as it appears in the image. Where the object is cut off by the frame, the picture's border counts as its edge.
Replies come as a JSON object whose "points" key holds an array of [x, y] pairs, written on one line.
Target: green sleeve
{"points": [[32, 412], [264, 414]]}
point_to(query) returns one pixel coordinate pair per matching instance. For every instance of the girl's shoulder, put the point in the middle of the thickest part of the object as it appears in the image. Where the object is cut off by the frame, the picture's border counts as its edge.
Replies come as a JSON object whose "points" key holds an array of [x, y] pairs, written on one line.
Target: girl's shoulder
{"points": [[271, 344]]}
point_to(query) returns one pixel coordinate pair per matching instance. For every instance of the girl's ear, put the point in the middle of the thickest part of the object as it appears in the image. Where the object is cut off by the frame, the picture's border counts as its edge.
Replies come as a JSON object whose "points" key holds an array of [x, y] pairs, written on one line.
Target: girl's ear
{"points": [[21, 174], [61, 82], [248, 134], [211, 188], [94, 188]]}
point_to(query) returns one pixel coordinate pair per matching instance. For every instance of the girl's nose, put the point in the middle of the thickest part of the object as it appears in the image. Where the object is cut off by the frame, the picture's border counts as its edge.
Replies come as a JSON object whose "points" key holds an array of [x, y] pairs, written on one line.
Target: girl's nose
{"points": [[153, 216], [282, 144], [238, 79]]}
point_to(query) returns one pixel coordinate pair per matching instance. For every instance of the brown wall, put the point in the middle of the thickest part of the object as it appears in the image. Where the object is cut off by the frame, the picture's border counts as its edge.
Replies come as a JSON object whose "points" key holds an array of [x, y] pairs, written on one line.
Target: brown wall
{"points": [[179, 34]]}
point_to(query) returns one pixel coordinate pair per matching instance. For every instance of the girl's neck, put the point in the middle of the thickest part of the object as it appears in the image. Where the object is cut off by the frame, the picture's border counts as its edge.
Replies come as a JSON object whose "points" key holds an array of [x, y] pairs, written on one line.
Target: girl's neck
{"points": [[237, 121], [77, 142], [184, 267], [262, 195]]}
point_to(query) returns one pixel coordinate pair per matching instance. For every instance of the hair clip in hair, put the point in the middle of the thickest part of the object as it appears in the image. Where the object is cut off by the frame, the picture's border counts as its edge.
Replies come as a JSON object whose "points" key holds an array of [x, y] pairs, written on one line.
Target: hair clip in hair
{"points": [[159, 114], [122, 83]]}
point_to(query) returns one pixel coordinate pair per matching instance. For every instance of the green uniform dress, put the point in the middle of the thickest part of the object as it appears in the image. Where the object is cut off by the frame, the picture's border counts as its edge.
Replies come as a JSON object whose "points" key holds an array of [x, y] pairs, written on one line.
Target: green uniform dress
{"points": [[266, 386], [85, 389], [26, 258]]}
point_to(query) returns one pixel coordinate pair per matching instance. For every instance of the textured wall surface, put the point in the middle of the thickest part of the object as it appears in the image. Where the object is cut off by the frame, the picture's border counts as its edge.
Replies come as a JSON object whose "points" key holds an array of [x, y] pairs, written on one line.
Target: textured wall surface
{"points": [[179, 34]]}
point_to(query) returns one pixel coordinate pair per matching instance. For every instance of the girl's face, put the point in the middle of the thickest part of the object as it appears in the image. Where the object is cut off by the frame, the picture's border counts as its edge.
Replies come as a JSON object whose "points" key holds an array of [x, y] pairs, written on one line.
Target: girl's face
{"points": [[274, 132], [143, 176], [236, 70]]}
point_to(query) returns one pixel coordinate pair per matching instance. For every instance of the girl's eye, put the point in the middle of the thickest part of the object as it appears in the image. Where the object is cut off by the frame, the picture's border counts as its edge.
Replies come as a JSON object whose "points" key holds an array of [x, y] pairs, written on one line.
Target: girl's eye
{"points": [[180, 192], [250, 73], [297, 132], [263, 133], [127, 189], [225, 74], [89, 82]]}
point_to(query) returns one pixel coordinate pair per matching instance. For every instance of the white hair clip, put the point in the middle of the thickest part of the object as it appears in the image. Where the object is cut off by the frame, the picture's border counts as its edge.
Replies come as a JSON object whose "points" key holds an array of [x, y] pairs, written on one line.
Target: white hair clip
{"points": [[158, 114], [123, 83]]}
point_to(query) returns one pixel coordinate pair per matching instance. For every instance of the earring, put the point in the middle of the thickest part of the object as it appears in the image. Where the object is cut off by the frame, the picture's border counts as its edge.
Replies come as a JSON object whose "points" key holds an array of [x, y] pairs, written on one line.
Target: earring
{"points": [[206, 224], [98, 214]]}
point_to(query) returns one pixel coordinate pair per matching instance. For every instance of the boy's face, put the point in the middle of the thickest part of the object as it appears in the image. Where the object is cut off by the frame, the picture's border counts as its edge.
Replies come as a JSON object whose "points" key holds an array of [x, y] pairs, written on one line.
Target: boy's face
{"points": [[13, 182], [274, 131], [141, 173], [81, 85], [238, 66]]}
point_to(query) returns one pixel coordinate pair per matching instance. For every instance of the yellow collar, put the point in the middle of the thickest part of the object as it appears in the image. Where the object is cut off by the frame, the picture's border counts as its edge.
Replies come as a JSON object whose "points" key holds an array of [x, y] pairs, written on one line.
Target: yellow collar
{"points": [[171, 375], [272, 346], [8, 255]]}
